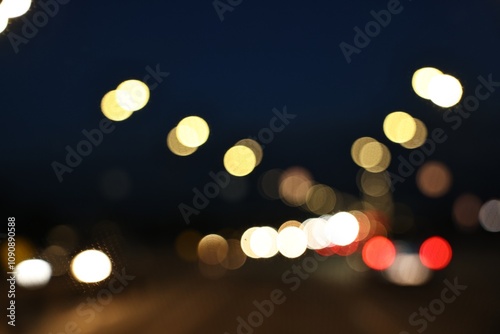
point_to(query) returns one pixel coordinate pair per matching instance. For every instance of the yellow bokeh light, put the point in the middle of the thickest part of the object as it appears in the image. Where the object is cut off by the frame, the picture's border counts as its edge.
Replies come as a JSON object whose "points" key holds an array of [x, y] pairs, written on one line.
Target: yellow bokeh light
{"points": [[212, 249], [239, 160], [320, 199], [445, 90], [421, 79], [91, 266], [292, 242], [14, 8], [132, 95], [371, 154], [33, 274], [399, 127], [111, 109], [255, 147], [192, 131], [357, 146], [419, 138], [176, 147], [384, 162]]}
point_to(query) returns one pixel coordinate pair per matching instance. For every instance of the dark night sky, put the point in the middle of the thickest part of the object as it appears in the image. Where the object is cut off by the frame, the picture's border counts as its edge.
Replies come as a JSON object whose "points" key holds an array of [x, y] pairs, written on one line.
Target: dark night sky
{"points": [[264, 55]]}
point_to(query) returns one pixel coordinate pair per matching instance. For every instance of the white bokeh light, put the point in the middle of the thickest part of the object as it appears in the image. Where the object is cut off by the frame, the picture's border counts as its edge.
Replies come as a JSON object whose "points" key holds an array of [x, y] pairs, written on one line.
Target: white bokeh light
{"points": [[421, 79], [33, 274], [132, 95], [4, 22], [342, 228], [408, 270], [292, 242], [263, 242], [445, 90], [489, 216], [314, 229], [14, 8], [91, 266], [245, 243]]}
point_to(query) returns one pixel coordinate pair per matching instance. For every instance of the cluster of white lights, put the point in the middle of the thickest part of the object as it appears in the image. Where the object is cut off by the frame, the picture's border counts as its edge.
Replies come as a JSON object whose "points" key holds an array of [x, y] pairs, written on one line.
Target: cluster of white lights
{"points": [[90, 266], [340, 229]]}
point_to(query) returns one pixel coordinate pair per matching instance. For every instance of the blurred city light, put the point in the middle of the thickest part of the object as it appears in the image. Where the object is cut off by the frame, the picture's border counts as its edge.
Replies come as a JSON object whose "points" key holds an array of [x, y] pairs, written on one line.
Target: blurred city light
{"points": [[255, 147], [212, 249], [192, 131], [421, 79], [14, 8], [239, 160], [434, 179], [112, 110], [435, 253], [91, 266], [342, 228], [399, 127], [245, 242], [419, 137], [407, 270], [176, 147], [445, 90], [132, 95], [292, 242], [379, 253], [33, 274], [263, 242], [489, 216]]}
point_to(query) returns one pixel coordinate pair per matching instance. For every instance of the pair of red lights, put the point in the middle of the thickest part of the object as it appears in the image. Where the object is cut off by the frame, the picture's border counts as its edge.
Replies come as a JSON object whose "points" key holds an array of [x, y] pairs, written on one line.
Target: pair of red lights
{"points": [[379, 253]]}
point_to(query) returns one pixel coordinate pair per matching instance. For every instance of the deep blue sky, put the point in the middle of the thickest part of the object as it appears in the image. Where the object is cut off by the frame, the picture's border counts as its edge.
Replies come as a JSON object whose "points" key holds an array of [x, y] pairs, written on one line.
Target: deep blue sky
{"points": [[233, 73]]}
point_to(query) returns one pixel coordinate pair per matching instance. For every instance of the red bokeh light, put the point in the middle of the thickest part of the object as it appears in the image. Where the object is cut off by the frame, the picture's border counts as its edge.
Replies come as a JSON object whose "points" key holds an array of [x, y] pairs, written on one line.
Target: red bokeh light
{"points": [[435, 253], [345, 250], [379, 253]]}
